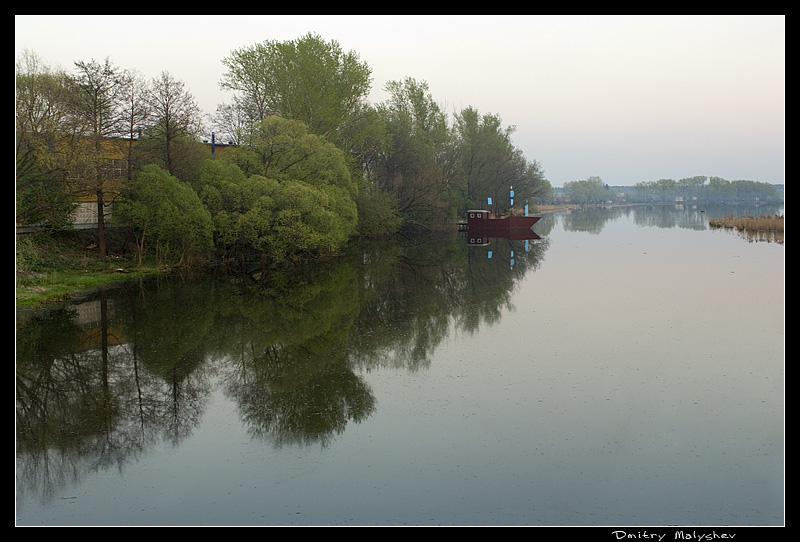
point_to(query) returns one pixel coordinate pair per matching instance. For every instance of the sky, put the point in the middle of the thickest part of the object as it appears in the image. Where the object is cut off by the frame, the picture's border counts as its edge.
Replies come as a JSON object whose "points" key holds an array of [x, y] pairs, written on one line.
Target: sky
{"points": [[628, 99]]}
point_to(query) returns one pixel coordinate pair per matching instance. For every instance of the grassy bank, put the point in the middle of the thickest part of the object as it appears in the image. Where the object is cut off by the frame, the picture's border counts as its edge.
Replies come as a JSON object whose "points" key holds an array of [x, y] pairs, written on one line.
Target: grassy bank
{"points": [[55, 268]]}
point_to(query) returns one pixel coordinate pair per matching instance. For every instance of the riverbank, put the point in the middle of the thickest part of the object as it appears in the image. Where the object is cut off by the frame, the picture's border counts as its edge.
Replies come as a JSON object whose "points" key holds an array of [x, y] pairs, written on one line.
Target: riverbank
{"points": [[37, 289], [53, 270], [56, 269], [542, 209]]}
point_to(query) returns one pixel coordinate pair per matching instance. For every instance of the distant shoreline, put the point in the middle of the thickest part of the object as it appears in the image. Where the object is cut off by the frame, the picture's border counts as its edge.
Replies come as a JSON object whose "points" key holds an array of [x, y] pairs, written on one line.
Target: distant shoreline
{"points": [[543, 209]]}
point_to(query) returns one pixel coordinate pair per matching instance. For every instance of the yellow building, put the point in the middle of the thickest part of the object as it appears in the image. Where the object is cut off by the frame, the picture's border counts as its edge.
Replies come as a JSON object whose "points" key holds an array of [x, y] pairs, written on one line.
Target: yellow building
{"points": [[113, 172]]}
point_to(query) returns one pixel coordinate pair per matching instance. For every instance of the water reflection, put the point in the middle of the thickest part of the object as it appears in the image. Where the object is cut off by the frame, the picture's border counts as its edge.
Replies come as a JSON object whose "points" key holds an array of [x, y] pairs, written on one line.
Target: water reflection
{"points": [[101, 381], [130, 371], [684, 216]]}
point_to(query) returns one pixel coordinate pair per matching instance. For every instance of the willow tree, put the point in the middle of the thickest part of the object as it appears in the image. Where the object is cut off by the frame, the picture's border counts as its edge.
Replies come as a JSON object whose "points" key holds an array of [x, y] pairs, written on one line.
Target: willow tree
{"points": [[301, 203], [319, 84], [167, 216]]}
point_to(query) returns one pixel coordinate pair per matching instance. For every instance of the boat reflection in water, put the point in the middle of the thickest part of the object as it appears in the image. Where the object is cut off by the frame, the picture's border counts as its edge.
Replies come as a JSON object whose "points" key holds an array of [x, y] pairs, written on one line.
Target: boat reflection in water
{"points": [[481, 229]]}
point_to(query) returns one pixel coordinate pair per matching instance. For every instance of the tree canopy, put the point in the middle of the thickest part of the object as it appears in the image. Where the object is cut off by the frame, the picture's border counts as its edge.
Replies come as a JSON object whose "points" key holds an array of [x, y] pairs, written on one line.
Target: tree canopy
{"points": [[300, 202], [306, 79], [166, 214]]}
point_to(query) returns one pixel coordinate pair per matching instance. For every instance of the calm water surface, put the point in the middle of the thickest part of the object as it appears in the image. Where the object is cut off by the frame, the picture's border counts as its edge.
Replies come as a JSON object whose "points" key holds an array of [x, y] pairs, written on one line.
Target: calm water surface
{"points": [[627, 368]]}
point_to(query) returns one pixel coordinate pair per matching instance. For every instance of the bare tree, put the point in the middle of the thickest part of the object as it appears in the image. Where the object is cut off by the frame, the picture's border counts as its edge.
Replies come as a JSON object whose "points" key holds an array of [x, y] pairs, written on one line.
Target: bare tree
{"points": [[235, 119], [100, 89], [175, 115], [136, 112]]}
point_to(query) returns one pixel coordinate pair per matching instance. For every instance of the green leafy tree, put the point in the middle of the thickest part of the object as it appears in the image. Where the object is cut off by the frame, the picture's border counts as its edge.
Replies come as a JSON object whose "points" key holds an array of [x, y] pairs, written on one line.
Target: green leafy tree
{"points": [[489, 165], [416, 169], [591, 190], [306, 79], [242, 207], [44, 152], [280, 220], [167, 216], [302, 204], [287, 150], [315, 82]]}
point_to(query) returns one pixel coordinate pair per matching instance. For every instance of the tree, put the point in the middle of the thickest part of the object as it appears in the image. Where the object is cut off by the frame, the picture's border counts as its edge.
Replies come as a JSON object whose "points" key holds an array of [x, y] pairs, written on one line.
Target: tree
{"points": [[315, 82], [100, 89], [591, 190], [484, 151], [301, 204], [310, 220], [364, 139], [136, 112], [234, 120], [167, 215], [289, 151], [44, 152], [306, 79], [175, 118], [489, 165], [666, 190], [417, 168], [691, 187], [280, 220]]}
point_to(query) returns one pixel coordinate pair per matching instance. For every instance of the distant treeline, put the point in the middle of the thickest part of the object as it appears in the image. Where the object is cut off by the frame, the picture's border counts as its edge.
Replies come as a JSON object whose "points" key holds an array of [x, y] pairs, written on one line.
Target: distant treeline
{"points": [[699, 189]]}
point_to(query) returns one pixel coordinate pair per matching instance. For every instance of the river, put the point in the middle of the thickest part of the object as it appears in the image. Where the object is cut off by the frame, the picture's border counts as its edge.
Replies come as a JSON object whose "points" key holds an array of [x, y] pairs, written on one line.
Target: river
{"points": [[622, 367]]}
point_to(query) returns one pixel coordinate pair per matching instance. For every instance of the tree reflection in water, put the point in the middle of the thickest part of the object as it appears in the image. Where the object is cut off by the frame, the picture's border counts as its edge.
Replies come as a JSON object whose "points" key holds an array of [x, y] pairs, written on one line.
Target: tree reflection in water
{"points": [[101, 381]]}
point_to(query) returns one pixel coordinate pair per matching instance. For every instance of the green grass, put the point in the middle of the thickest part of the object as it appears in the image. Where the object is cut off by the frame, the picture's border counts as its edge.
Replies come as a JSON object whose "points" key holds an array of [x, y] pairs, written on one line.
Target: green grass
{"points": [[36, 290], [52, 268]]}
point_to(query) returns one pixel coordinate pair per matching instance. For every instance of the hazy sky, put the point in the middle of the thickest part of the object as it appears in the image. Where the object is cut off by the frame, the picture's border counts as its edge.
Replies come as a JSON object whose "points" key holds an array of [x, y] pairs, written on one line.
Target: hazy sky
{"points": [[623, 98]]}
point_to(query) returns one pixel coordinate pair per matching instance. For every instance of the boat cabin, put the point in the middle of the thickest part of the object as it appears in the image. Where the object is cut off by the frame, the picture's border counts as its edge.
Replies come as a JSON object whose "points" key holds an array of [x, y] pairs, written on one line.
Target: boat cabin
{"points": [[477, 214]]}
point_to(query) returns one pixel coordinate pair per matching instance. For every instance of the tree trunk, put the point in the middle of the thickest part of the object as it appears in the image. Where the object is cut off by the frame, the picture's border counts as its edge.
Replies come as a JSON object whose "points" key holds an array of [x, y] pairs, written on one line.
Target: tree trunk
{"points": [[101, 224]]}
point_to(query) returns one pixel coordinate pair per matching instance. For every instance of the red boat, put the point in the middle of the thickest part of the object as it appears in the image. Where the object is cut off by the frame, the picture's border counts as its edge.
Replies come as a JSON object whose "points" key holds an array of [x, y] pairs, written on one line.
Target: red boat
{"points": [[480, 222]]}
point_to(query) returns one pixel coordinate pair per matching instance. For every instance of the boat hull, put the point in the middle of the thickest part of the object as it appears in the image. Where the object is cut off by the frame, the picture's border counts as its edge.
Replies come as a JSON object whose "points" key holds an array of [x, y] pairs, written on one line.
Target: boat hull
{"points": [[481, 226], [503, 224]]}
